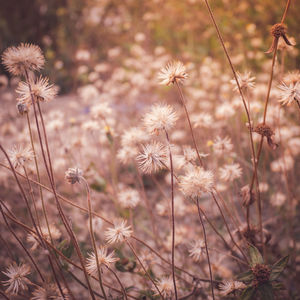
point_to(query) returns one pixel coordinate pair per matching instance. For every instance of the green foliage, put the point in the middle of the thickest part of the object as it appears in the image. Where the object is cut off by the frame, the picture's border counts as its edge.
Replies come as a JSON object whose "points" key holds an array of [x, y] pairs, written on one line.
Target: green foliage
{"points": [[248, 293], [255, 256], [278, 267]]}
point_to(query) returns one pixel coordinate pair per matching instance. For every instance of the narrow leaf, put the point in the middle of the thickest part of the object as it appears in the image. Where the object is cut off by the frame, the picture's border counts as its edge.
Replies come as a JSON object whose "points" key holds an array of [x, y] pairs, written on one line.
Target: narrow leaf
{"points": [[246, 276], [255, 256], [266, 291], [248, 293], [278, 267]]}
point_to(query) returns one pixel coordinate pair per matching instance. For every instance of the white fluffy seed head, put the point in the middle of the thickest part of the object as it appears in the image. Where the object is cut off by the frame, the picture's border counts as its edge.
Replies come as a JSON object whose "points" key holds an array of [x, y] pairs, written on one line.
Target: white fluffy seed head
{"points": [[172, 72], [162, 117]]}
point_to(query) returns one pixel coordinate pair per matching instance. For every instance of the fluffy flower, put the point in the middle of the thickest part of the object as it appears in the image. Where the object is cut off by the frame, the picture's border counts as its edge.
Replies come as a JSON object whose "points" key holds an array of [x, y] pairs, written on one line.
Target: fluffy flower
{"points": [[104, 259], [196, 181], [19, 156], [229, 286], [161, 117], [73, 175], [245, 80], [230, 172], [129, 198], [165, 285], [101, 110], [119, 233], [289, 93], [222, 145], [152, 158], [40, 88], [197, 250], [49, 291], [173, 72], [17, 278], [21, 58]]}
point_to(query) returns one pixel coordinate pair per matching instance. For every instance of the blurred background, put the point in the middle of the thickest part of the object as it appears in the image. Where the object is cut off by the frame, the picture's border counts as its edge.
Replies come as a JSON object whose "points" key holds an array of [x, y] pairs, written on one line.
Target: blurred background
{"points": [[76, 35]]}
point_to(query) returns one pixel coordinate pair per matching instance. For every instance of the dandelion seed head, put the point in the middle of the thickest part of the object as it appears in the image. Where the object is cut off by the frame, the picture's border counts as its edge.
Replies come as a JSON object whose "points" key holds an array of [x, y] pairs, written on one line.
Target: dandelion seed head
{"points": [[289, 93], [161, 117], [49, 291], [228, 286], [196, 181], [23, 57], [19, 156], [73, 175], [246, 81], [165, 285], [104, 259], [198, 250], [17, 278], [230, 172], [172, 72], [129, 198], [119, 233], [152, 158]]}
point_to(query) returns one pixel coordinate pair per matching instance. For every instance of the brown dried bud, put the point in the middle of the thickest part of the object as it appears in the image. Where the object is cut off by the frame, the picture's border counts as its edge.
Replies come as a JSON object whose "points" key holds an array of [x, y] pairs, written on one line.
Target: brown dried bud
{"points": [[278, 30], [261, 274], [248, 198], [265, 130], [22, 108]]}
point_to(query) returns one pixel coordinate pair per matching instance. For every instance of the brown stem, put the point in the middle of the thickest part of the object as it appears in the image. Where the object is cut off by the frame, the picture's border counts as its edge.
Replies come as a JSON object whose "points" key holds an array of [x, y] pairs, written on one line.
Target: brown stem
{"points": [[206, 249], [173, 217], [119, 281]]}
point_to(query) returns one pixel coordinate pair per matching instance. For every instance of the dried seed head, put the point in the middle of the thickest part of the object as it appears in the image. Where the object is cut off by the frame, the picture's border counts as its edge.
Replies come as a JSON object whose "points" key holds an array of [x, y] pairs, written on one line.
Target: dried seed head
{"points": [[278, 30], [73, 175], [264, 130], [22, 108], [261, 274], [247, 196]]}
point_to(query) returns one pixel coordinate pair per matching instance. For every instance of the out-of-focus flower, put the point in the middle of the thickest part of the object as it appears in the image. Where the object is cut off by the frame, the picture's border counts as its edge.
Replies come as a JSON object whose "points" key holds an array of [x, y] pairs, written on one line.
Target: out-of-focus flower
{"points": [[196, 181], [129, 198], [17, 278], [246, 81], [197, 250], [161, 117], [152, 158], [41, 90], [23, 57], [229, 286], [19, 156], [230, 172], [222, 145], [73, 175], [289, 93], [49, 291], [165, 285], [119, 233], [104, 259], [173, 72]]}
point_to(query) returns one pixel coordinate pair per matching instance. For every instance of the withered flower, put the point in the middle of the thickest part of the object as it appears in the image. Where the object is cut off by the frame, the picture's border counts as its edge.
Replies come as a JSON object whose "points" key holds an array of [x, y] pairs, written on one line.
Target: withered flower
{"points": [[278, 30], [265, 130]]}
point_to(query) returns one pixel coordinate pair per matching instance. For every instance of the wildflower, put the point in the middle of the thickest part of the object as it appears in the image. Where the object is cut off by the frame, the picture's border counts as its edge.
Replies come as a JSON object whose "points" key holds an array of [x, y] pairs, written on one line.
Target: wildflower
{"points": [[129, 198], [228, 286], [292, 77], [245, 80], [261, 274], [54, 231], [73, 175], [21, 58], [278, 30], [19, 156], [104, 259], [162, 117], [196, 182], [197, 250], [222, 145], [153, 157], [126, 154], [289, 93], [101, 110], [230, 172], [49, 291], [165, 285], [190, 154], [17, 278], [119, 233], [40, 89], [173, 72], [133, 137]]}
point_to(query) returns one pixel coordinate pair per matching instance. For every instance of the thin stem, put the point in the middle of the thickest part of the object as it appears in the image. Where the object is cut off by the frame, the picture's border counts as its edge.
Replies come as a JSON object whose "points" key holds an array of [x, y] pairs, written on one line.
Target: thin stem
{"points": [[182, 99], [92, 235], [146, 272], [173, 217], [286, 10], [119, 281], [206, 249]]}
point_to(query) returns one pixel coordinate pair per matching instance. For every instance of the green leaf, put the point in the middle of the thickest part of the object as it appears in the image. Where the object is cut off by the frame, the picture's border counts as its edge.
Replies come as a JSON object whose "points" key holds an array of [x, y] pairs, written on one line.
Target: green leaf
{"points": [[246, 276], [266, 291], [248, 293], [278, 267], [255, 256], [125, 265]]}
